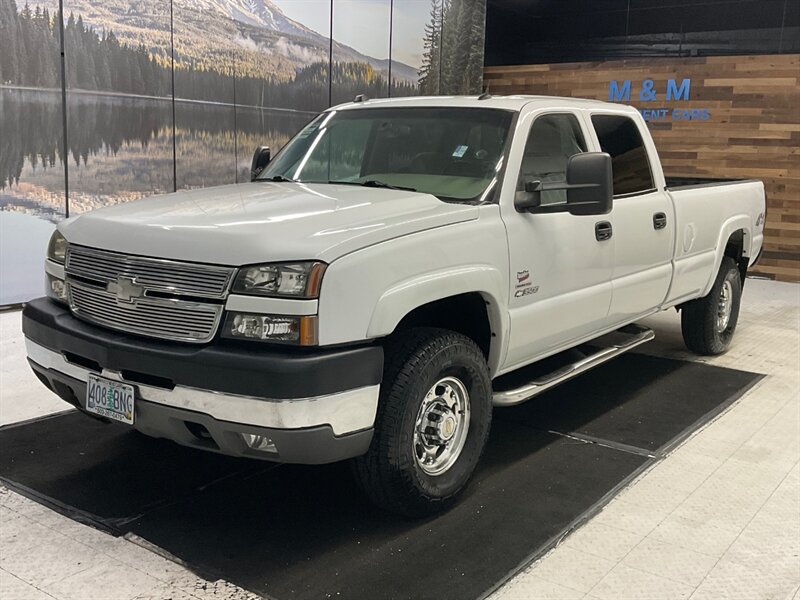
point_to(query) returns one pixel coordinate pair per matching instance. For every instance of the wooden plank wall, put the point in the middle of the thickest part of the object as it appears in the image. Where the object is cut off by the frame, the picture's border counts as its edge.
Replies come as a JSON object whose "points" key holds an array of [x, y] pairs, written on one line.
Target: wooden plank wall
{"points": [[753, 130]]}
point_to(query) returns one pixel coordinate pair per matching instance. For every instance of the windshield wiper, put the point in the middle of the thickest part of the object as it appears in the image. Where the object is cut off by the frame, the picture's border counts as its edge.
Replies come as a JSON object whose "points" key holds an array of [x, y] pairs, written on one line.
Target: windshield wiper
{"points": [[374, 183], [278, 179]]}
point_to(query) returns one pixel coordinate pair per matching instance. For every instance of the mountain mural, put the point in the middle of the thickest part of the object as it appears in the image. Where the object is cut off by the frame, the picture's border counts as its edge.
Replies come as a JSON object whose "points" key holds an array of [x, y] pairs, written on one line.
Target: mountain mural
{"points": [[245, 74], [255, 35]]}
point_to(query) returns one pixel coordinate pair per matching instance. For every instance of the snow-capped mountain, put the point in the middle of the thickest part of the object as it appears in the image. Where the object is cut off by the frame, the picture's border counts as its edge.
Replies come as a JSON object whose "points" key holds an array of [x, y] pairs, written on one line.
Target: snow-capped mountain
{"points": [[258, 13], [207, 30], [263, 14]]}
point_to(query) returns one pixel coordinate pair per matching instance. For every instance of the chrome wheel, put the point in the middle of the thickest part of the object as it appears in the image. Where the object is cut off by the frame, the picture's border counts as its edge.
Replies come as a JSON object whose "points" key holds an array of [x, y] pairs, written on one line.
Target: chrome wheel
{"points": [[442, 425], [725, 306]]}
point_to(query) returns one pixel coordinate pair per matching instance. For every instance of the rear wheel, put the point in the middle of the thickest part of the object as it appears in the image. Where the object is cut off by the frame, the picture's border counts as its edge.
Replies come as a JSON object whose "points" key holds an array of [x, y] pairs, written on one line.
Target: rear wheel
{"points": [[432, 423], [708, 323]]}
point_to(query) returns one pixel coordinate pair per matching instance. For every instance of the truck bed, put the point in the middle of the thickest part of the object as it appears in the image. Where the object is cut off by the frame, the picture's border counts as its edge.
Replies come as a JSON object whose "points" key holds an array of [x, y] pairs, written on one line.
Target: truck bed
{"points": [[681, 183], [707, 211]]}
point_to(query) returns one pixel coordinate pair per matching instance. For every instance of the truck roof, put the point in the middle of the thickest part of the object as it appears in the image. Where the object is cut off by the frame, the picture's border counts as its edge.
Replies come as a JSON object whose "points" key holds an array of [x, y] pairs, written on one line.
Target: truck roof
{"points": [[514, 103]]}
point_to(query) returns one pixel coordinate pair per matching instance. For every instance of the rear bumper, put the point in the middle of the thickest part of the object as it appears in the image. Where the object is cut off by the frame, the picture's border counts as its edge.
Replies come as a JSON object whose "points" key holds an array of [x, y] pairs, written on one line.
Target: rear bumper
{"points": [[331, 423]]}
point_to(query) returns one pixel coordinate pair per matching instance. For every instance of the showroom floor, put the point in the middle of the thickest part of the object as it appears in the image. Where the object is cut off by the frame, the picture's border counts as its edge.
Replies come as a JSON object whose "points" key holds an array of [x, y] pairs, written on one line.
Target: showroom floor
{"points": [[718, 518]]}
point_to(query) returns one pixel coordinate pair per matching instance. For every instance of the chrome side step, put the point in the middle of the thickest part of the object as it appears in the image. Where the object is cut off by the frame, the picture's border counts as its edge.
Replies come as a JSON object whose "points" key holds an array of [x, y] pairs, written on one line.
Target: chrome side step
{"points": [[619, 341]]}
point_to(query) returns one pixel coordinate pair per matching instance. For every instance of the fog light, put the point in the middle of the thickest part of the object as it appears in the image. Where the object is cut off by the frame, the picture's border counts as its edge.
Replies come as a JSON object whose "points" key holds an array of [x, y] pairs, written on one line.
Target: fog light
{"points": [[56, 288], [266, 327], [259, 442], [272, 328]]}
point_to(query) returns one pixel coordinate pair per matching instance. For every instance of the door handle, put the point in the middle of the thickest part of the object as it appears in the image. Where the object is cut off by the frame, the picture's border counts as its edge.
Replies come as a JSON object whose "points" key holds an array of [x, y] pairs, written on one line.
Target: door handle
{"points": [[659, 220], [602, 231]]}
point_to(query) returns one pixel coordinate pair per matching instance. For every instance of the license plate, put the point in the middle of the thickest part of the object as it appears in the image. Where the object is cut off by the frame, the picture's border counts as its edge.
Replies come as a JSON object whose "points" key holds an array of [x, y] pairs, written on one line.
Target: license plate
{"points": [[110, 399]]}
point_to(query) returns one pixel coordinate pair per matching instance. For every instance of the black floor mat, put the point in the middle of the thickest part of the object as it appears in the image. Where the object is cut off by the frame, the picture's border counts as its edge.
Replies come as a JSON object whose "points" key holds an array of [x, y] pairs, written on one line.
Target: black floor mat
{"points": [[637, 400], [306, 532]]}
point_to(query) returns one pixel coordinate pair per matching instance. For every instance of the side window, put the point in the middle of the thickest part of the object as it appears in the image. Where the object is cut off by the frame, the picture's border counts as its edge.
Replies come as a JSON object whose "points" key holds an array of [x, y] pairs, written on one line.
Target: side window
{"points": [[620, 137], [551, 141]]}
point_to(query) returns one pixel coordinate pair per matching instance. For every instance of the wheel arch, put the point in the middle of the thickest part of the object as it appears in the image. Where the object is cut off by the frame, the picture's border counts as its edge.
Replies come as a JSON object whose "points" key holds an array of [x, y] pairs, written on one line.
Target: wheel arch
{"points": [[735, 241], [466, 301]]}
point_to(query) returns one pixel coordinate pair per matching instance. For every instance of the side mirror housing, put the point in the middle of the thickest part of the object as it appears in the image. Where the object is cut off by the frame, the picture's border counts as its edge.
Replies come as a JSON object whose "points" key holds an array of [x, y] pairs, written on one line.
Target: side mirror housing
{"points": [[532, 198], [589, 187], [590, 184], [261, 159]]}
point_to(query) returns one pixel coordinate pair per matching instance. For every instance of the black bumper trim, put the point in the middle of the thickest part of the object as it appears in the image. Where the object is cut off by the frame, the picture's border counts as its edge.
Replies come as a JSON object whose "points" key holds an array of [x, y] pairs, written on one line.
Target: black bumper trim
{"points": [[311, 446], [258, 371]]}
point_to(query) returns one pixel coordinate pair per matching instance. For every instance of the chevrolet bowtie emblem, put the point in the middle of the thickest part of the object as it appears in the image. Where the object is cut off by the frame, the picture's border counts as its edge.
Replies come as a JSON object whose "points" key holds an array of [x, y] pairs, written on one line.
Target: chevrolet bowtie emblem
{"points": [[125, 289]]}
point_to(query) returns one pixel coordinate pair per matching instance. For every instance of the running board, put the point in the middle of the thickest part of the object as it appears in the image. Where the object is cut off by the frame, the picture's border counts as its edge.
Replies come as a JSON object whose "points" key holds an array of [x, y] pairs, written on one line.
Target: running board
{"points": [[622, 340]]}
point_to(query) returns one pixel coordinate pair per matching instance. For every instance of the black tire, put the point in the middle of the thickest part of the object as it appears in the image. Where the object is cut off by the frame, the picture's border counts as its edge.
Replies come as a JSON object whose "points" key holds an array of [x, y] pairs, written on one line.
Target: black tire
{"points": [[389, 472], [699, 325]]}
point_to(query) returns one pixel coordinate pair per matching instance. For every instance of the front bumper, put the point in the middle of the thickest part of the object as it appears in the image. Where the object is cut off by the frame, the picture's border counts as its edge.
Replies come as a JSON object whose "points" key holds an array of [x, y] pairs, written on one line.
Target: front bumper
{"points": [[315, 407]]}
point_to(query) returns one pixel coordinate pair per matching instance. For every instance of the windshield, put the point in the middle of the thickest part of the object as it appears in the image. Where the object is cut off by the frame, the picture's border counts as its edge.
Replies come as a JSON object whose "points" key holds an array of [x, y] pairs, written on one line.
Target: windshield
{"points": [[452, 153]]}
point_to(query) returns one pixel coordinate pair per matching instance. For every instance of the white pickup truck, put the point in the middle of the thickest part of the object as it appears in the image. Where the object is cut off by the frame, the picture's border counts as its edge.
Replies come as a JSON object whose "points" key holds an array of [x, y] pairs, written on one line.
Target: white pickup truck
{"points": [[365, 295]]}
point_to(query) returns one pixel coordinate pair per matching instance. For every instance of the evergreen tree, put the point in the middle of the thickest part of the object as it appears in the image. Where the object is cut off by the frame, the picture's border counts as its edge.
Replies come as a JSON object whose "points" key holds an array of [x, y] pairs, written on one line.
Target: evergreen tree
{"points": [[429, 73], [472, 76], [97, 60], [453, 47]]}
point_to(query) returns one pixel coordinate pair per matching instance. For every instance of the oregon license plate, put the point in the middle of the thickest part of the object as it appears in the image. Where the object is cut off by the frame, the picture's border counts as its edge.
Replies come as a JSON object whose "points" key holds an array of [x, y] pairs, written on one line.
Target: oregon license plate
{"points": [[110, 399]]}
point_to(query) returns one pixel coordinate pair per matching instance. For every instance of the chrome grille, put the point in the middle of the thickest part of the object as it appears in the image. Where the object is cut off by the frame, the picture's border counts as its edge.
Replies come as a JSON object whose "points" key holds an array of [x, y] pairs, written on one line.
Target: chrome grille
{"points": [[147, 296], [168, 276], [156, 317]]}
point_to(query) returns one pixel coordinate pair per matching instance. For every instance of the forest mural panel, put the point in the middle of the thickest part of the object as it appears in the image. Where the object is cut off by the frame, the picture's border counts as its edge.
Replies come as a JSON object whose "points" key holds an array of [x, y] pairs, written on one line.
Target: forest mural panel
{"points": [[119, 124], [364, 70], [205, 95], [32, 194], [164, 95]]}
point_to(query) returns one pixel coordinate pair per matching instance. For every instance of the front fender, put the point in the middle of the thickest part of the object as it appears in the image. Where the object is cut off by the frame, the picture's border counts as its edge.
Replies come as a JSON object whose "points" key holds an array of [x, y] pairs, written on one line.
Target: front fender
{"points": [[366, 293], [402, 298]]}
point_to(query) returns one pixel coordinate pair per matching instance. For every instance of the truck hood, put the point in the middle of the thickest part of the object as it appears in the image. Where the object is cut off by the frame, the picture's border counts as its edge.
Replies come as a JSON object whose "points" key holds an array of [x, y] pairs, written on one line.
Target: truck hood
{"points": [[262, 222]]}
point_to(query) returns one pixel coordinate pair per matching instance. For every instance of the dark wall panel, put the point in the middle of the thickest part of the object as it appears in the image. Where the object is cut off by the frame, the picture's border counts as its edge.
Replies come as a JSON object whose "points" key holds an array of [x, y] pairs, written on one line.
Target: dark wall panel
{"points": [[549, 31]]}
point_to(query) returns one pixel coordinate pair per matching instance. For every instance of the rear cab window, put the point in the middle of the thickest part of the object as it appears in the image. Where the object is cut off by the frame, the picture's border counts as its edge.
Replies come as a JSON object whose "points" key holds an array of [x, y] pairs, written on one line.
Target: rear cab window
{"points": [[619, 136]]}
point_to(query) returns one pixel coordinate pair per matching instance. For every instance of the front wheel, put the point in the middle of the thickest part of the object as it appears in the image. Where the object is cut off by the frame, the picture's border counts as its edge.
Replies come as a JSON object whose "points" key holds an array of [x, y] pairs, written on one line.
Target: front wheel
{"points": [[433, 420], [708, 323]]}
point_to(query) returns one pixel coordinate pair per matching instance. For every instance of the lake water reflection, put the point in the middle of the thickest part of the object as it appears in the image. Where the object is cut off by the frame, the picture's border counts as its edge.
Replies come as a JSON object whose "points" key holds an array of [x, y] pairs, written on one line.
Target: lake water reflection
{"points": [[120, 149]]}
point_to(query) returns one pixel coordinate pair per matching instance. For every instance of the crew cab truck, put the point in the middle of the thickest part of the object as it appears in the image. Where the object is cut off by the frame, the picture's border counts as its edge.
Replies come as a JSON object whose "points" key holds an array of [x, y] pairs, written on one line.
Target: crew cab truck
{"points": [[386, 280]]}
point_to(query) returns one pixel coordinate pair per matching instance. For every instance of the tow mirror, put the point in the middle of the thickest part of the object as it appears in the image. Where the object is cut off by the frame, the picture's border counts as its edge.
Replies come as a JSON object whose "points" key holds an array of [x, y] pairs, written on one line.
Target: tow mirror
{"points": [[589, 186], [261, 159]]}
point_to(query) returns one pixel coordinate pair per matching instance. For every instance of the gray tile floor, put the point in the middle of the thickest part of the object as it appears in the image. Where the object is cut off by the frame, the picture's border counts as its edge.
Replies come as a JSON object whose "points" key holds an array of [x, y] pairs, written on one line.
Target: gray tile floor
{"points": [[718, 518]]}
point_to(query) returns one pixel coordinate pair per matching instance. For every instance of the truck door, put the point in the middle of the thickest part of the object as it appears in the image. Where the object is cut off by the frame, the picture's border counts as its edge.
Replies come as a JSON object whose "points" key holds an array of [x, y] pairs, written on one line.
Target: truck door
{"points": [[560, 264], [644, 220]]}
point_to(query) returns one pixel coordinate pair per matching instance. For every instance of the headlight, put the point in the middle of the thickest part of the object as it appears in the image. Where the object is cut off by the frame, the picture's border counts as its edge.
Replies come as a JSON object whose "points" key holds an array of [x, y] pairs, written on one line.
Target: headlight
{"points": [[297, 280], [57, 248], [272, 328]]}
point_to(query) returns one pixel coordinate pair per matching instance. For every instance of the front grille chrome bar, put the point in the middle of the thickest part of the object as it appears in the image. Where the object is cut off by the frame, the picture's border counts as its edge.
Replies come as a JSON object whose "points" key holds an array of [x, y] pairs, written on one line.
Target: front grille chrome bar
{"points": [[153, 297], [155, 274], [170, 319]]}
